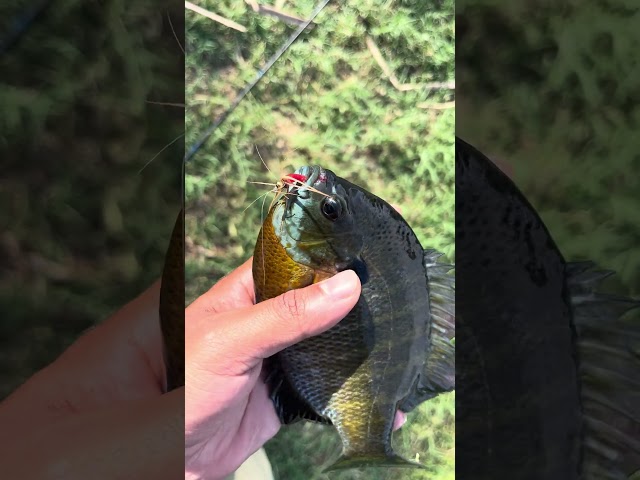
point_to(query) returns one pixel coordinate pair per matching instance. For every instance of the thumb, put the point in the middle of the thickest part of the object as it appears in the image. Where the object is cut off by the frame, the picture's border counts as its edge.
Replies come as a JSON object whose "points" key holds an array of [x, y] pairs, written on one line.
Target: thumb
{"points": [[264, 329]]}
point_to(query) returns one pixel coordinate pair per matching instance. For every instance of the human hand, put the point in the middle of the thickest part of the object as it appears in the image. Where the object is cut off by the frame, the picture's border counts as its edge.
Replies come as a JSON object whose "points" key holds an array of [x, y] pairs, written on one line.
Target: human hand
{"points": [[228, 411], [98, 410]]}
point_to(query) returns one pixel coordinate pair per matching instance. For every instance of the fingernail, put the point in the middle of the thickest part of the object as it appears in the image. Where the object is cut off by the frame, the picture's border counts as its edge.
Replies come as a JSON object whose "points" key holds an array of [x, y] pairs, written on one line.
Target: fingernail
{"points": [[341, 285]]}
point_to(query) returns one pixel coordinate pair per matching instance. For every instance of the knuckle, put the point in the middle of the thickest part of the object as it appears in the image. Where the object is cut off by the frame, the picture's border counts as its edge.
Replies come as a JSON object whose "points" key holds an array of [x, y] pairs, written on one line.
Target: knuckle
{"points": [[291, 306]]}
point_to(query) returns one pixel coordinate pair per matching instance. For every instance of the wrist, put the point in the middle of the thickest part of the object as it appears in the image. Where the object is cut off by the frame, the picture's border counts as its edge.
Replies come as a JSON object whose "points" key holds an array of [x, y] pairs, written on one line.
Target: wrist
{"points": [[132, 440]]}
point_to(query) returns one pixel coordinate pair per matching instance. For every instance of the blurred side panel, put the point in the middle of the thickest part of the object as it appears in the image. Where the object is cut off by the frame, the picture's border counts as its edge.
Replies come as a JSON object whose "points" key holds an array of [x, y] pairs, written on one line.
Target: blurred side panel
{"points": [[91, 148], [547, 178]]}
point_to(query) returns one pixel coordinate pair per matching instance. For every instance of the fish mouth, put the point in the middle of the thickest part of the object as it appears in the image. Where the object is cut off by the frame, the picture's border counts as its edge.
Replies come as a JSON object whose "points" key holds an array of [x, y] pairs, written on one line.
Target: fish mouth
{"points": [[314, 174]]}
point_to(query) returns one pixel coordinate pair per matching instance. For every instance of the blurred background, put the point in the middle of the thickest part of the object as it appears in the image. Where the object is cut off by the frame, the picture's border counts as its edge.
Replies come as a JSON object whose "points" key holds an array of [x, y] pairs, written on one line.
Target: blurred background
{"points": [[355, 95], [82, 230], [549, 89]]}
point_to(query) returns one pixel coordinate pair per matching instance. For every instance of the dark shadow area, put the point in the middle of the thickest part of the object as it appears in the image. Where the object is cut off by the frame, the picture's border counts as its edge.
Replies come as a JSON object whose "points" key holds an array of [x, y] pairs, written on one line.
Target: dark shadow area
{"points": [[83, 230], [547, 346]]}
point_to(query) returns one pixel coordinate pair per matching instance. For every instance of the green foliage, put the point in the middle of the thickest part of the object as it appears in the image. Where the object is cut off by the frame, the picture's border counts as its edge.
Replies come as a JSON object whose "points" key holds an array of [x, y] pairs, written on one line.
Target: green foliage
{"points": [[325, 102], [73, 48], [559, 100], [77, 239]]}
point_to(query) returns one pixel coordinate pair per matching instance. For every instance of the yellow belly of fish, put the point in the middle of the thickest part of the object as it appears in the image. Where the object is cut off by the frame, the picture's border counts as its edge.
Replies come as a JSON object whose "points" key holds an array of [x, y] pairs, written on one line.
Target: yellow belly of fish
{"points": [[284, 274]]}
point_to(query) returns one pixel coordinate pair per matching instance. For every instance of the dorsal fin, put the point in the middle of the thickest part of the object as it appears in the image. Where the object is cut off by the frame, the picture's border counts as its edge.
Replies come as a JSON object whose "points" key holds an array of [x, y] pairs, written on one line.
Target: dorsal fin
{"points": [[439, 373], [608, 348], [441, 364]]}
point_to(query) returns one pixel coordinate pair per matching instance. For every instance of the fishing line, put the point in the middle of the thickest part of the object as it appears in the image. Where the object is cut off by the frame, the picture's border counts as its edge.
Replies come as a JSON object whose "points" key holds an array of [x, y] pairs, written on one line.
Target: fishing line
{"points": [[174, 33], [162, 150], [261, 73]]}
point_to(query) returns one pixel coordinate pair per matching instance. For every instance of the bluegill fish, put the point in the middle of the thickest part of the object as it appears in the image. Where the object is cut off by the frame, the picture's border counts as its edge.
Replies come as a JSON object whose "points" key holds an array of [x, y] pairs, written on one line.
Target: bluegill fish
{"points": [[392, 351], [548, 372]]}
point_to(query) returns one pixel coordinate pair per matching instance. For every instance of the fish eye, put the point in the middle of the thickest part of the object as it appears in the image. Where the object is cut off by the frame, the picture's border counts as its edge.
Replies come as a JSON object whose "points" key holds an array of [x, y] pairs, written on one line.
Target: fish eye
{"points": [[331, 208]]}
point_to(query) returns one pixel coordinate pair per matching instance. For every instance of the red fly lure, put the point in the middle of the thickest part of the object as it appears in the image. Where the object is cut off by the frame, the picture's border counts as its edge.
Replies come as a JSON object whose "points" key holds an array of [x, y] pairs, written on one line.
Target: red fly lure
{"points": [[290, 179]]}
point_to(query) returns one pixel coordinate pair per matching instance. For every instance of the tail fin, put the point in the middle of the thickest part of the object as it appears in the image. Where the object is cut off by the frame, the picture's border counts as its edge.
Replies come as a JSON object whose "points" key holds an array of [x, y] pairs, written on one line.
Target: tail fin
{"points": [[609, 359], [371, 460]]}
